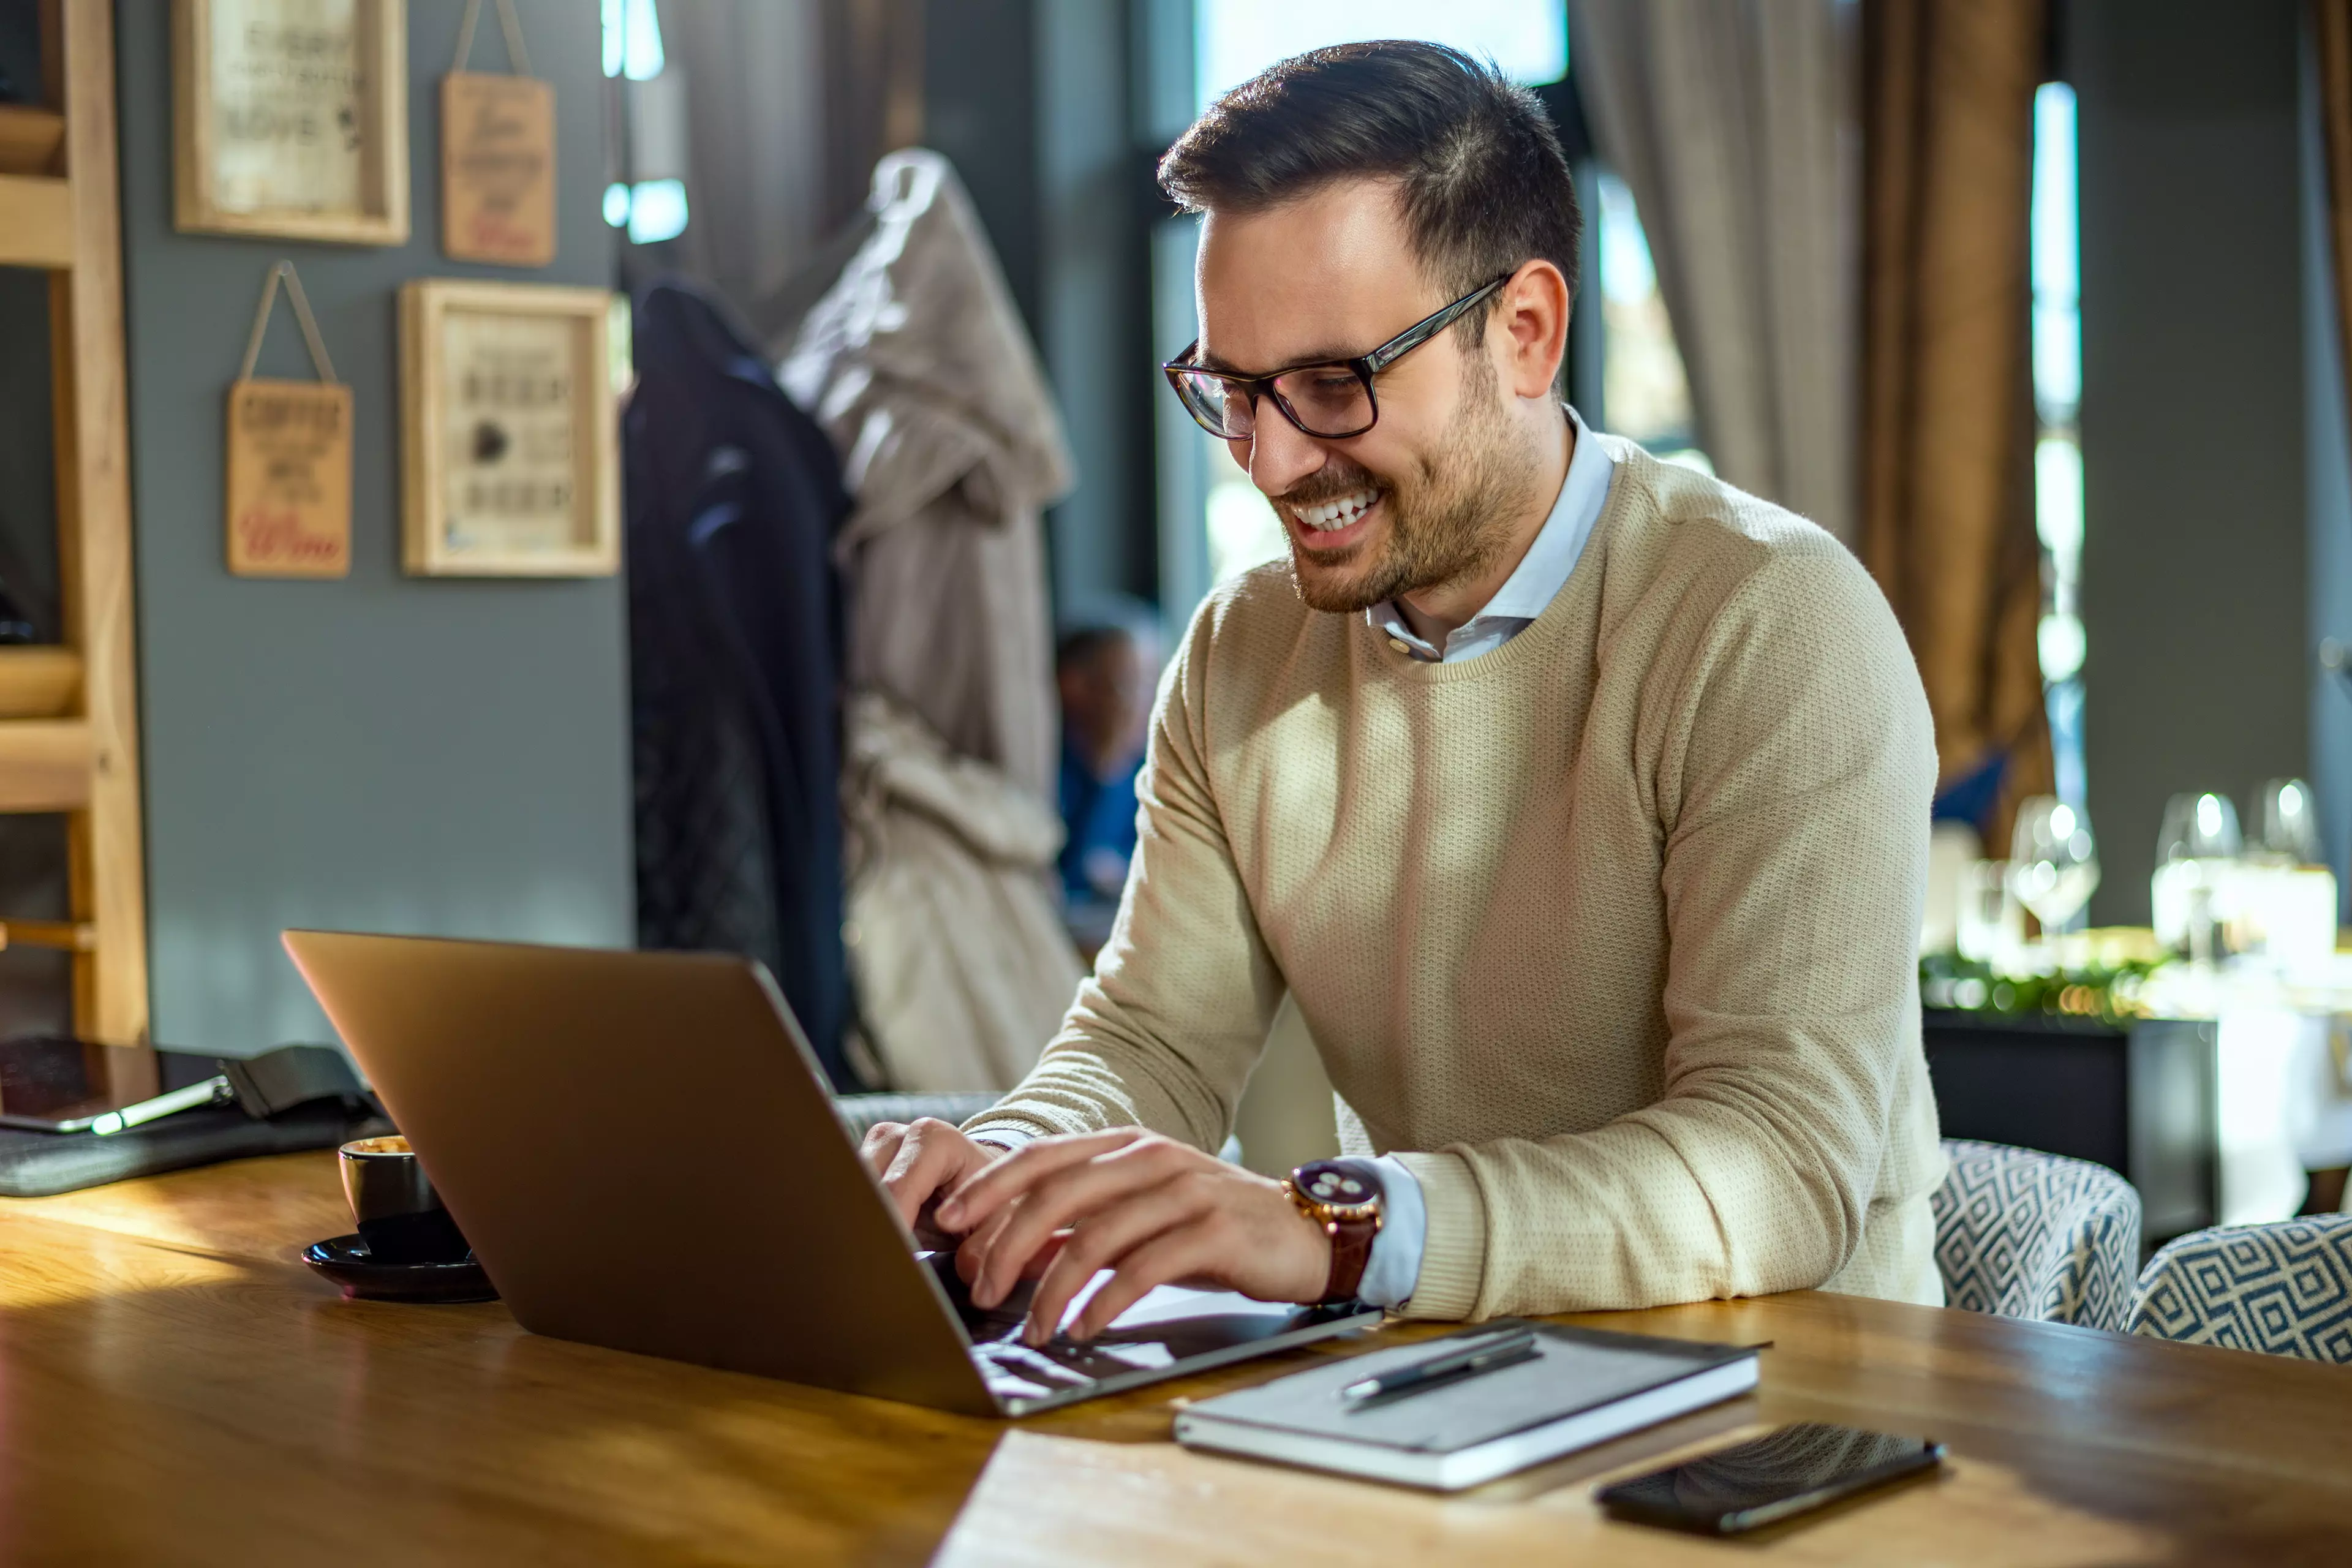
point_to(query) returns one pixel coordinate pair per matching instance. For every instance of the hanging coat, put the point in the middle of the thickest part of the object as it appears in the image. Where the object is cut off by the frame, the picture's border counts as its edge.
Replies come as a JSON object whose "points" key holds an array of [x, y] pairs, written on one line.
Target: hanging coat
{"points": [[917, 365], [734, 500]]}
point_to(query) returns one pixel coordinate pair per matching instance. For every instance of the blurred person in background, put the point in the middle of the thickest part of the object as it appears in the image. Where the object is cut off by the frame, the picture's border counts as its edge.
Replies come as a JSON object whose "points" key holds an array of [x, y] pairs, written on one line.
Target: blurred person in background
{"points": [[1105, 670]]}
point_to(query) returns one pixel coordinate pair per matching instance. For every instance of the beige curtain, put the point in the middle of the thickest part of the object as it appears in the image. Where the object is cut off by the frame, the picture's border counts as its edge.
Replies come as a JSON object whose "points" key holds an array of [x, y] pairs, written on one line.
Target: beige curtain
{"points": [[1947, 416], [1732, 121], [789, 104]]}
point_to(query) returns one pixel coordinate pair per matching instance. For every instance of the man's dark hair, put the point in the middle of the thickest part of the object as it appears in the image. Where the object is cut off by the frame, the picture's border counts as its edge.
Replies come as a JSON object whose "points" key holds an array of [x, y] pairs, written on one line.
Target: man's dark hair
{"points": [[1483, 183]]}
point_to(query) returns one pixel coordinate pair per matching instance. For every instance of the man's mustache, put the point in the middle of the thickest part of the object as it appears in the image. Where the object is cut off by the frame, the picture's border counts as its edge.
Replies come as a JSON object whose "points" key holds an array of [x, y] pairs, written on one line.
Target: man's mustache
{"points": [[1325, 485]]}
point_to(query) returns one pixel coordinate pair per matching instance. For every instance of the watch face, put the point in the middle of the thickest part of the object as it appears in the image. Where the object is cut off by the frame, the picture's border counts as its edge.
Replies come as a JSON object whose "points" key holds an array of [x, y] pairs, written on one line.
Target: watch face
{"points": [[1338, 1184]]}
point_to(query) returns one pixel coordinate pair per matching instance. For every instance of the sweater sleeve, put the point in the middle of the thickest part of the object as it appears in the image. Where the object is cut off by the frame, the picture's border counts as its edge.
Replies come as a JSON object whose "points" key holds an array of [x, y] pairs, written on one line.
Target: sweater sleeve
{"points": [[1166, 1031], [1791, 761]]}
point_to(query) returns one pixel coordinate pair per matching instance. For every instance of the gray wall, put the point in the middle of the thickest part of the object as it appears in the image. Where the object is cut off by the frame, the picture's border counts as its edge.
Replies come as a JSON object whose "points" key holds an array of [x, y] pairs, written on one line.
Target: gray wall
{"points": [[384, 753], [2193, 414]]}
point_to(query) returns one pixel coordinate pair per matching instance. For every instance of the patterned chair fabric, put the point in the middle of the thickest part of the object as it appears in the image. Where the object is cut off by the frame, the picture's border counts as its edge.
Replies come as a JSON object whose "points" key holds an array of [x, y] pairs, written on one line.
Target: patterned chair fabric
{"points": [[860, 1111], [2021, 1234], [2283, 1288]]}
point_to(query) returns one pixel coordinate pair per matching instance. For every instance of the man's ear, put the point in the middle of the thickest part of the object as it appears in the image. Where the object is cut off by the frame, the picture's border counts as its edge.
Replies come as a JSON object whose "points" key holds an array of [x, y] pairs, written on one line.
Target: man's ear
{"points": [[1531, 310]]}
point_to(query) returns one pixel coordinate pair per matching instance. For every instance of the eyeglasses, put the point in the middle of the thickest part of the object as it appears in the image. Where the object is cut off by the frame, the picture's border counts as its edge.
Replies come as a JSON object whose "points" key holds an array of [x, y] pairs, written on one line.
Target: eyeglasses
{"points": [[1331, 399]]}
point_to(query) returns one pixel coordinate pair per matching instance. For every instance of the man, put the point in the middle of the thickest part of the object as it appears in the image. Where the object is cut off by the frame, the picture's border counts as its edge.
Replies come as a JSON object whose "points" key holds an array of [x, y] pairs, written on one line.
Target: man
{"points": [[1580, 800]]}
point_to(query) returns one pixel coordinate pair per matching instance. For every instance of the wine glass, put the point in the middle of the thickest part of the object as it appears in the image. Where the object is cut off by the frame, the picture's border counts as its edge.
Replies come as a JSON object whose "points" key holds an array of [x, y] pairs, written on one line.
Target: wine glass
{"points": [[2198, 827], [2196, 859], [2289, 825], [2054, 862]]}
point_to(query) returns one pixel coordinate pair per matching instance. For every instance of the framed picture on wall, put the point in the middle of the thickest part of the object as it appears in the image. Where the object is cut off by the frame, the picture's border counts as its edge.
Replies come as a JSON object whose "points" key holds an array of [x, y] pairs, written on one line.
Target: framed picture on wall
{"points": [[509, 456], [290, 119]]}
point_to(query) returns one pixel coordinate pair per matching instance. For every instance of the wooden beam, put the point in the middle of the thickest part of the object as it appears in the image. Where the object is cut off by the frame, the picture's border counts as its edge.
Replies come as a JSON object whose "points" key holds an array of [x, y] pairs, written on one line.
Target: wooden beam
{"points": [[30, 140], [90, 398], [45, 764], [36, 221], [39, 682]]}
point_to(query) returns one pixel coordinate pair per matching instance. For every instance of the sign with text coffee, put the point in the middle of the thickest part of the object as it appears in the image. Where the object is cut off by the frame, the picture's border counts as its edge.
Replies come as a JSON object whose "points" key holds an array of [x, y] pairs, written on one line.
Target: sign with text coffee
{"points": [[290, 478]]}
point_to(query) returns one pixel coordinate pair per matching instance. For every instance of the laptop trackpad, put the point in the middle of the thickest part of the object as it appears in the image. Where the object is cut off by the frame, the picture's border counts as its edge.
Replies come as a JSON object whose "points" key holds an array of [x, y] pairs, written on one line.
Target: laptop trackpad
{"points": [[1171, 1325]]}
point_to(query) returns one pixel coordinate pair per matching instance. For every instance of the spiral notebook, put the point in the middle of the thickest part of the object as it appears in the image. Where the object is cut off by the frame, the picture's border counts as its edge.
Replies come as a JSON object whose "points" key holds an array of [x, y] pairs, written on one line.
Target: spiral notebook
{"points": [[1580, 1387]]}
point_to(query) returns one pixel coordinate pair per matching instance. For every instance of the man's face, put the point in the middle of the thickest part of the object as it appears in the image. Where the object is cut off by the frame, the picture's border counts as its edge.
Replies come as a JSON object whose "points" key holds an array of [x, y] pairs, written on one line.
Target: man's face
{"points": [[1421, 499]]}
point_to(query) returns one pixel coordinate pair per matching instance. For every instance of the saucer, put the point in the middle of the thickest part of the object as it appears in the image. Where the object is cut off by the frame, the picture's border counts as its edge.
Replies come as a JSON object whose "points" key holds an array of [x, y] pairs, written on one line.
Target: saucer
{"points": [[346, 1260]]}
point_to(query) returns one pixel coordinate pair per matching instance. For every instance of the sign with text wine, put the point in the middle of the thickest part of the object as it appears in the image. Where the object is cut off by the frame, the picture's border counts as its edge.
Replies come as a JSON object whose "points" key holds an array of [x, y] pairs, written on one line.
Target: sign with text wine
{"points": [[290, 457], [509, 455], [290, 478], [292, 119]]}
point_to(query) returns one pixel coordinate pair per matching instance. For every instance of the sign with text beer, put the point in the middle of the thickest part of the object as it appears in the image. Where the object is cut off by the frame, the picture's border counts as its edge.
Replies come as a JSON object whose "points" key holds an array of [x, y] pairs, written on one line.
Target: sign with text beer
{"points": [[497, 155], [290, 458], [292, 119], [509, 457]]}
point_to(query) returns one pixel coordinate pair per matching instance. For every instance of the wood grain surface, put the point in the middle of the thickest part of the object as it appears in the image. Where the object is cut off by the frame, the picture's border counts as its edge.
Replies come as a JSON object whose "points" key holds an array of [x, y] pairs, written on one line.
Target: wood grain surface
{"points": [[175, 1387]]}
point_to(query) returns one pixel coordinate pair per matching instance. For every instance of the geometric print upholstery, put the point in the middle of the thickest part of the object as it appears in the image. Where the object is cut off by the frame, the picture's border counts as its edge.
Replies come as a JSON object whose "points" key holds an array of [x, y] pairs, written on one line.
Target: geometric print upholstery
{"points": [[2283, 1288], [2021, 1233]]}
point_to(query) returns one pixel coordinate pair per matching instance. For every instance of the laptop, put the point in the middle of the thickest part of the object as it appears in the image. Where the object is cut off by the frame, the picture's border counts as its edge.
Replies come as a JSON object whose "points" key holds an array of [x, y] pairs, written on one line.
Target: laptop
{"points": [[645, 1156]]}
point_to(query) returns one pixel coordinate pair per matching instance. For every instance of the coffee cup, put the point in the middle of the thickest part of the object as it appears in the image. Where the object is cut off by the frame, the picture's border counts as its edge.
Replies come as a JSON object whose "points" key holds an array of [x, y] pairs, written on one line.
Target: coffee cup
{"points": [[400, 1216]]}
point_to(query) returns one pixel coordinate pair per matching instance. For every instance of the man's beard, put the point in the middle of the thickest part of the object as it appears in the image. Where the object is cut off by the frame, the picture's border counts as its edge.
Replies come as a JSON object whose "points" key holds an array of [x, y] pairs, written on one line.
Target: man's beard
{"points": [[1448, 523]]}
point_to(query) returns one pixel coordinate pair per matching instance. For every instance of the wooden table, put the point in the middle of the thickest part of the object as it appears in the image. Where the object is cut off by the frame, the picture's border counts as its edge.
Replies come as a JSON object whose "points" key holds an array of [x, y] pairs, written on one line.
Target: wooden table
{"points": [[175, 1387]]}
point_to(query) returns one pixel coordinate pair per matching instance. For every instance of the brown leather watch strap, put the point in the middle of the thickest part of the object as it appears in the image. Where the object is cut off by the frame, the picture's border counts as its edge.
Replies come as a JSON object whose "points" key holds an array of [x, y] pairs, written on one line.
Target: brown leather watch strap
{"points": [[1351, 1250]]}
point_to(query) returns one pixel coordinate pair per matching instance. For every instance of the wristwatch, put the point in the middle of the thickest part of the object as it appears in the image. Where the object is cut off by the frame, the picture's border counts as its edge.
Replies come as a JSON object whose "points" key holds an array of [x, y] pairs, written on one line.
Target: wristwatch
{"points": [[1343, 1199]]}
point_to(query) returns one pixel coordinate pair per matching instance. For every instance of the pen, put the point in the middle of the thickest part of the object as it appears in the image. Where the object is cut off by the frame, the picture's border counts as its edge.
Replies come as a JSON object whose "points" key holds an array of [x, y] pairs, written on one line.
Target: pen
{"points": [[1467, 1360]]}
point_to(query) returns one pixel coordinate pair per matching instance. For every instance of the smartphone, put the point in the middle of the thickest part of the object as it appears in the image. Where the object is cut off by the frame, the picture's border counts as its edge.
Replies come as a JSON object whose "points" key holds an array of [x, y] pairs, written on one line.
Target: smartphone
{"points": [[1782, 1474]]}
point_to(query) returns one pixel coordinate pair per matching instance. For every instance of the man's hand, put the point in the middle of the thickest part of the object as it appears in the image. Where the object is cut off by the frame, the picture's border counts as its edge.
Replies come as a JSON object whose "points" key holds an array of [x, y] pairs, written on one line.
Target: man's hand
{"points": [[1152, 1210], [917, 1163]]}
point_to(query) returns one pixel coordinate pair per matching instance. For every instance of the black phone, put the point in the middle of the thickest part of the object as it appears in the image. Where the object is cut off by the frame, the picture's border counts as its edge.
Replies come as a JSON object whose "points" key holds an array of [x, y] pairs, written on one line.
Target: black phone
{"points": [[1782, 1474]]}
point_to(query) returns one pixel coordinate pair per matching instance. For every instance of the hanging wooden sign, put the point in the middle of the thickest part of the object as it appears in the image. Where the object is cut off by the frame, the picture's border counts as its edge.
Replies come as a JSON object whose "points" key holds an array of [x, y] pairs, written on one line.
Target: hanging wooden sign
{"points": [[289, 460], [497, 155]]}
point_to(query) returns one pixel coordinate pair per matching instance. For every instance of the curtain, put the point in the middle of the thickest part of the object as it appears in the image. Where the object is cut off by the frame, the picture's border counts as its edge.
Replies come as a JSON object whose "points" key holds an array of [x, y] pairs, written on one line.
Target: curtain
{"points": [[2332, 34], [1948, 410], [1731, 122], [791, 104]]}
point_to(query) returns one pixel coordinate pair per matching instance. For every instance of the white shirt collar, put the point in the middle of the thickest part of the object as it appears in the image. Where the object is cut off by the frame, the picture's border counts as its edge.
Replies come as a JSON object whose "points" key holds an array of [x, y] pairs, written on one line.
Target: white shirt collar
{"points": [[1540, 574]]}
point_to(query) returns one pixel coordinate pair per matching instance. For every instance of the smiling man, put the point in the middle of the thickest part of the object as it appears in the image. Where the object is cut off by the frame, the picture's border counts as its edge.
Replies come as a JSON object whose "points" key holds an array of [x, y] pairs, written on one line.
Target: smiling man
{"points": [[1580, 800]]}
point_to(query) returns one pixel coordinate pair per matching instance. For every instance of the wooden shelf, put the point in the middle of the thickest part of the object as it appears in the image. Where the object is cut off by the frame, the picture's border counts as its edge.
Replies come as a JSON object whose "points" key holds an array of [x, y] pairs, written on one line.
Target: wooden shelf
{"points": [[45, 764], [37, 222], [30, 140], [39, 682]]}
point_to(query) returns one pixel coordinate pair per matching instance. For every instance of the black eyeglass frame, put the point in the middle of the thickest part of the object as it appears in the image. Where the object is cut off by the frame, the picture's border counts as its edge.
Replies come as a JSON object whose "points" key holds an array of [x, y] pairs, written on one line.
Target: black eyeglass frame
{"points": [[1365, 366]]}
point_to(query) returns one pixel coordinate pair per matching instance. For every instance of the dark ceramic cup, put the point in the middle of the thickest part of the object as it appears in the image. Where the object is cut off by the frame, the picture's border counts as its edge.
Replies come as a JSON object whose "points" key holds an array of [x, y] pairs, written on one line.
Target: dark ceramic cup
{"points": [[400, 1216]]}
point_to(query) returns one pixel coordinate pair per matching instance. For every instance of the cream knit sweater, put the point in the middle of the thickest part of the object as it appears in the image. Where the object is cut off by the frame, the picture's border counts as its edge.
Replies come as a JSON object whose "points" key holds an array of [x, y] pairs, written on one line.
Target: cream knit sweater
{"points": [[1610, 934]]}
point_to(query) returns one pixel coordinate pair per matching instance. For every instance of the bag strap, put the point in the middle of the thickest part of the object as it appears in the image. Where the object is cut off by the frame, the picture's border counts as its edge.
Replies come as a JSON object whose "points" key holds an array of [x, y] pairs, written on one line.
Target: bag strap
{"points": [[517, 60], [318, 360]]}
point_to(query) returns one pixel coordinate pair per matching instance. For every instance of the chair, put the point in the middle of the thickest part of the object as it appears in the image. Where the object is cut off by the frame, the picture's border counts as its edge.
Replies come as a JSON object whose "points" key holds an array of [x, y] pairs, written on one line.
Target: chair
{"points": [[2283, 1288], [2021, 1233]]}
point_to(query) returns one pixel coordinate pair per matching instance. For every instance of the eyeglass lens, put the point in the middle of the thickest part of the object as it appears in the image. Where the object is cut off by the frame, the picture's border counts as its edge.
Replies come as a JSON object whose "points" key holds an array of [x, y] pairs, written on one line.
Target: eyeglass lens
{"points": [[1324, 400]]}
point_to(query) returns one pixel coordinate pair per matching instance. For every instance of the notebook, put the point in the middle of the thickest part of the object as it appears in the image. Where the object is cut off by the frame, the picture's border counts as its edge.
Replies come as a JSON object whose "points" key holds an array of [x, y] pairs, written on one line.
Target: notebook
{"points": [[1581, 1387]]}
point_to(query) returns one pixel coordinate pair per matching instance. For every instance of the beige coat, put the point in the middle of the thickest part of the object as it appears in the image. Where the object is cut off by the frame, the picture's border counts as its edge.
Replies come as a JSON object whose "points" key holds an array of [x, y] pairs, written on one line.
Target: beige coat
{"points": [[917, 366]]}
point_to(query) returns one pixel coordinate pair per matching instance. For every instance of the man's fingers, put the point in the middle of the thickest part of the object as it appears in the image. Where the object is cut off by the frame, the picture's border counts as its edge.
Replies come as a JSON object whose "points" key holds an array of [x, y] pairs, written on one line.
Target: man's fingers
{"points": [[928, 1157], [1106, 1238], [968, 1206], [1192, 1247], [1071, 1196]]}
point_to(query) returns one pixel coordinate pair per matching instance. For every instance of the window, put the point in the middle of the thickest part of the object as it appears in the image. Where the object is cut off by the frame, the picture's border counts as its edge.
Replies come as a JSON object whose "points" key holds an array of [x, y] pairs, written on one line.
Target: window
{"points": [[650, 201], [2058, 448], [1644, 396]]}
